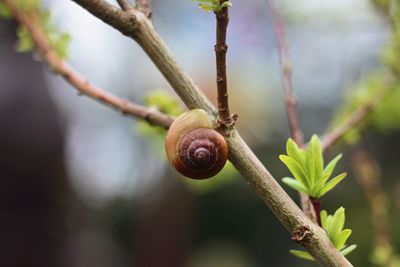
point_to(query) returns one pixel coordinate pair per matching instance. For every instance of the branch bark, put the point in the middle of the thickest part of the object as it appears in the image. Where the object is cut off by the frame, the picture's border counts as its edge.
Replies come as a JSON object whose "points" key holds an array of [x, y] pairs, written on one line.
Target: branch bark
{"points": [[137, 26], [60, 67]]}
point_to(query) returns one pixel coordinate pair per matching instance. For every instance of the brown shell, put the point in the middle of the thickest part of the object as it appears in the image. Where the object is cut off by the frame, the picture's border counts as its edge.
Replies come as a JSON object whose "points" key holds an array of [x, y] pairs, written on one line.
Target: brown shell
{"points": [[194, 148]]}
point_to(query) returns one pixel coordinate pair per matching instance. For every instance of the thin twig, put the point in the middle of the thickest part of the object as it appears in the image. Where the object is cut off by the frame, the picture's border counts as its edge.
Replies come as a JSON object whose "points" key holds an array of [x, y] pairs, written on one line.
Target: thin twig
{"points": [[290, 100], [124, 4], [357, 117], [221, 48], [60, 67], [144, 6], [316, 202], [353, 120]]}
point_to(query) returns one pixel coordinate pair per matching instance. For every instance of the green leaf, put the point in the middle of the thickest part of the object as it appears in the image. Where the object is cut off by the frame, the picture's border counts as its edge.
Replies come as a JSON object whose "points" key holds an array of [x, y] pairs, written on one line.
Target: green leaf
{"points": [[333, 225], [342, 238], [317, 155], [28, 5], [212, 5], [302, 254], [296, 153], [61, 45], [324, 217], [336, 224], [310, 161], [329, 169], [164, 102], [295, 168], [226, 4], [5, 11], [348, 250], [208, 8], [331, 184], [308, 167], [25, 43], [295, 184]]}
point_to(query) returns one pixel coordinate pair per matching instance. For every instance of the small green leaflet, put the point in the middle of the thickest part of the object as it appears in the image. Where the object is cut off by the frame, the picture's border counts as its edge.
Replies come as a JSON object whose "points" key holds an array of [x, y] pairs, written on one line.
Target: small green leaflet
{"points": [[212, 5]]}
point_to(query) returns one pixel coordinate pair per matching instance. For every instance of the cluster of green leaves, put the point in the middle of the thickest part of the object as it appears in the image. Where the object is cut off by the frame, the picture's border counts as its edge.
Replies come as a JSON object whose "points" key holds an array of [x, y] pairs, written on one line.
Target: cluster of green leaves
{"points": [[58, 40], [333, 225], [311, 178], [307, 168], [212, 5]]}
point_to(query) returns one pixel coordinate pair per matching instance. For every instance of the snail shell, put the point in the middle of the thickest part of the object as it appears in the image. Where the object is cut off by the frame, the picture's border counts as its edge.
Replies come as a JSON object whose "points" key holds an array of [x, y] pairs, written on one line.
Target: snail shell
{"points": [[194, 148]]}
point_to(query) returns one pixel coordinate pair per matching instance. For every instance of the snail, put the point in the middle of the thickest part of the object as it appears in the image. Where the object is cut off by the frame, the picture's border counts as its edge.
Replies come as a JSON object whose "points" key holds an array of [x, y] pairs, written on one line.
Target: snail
{"points": [[193, 147]]}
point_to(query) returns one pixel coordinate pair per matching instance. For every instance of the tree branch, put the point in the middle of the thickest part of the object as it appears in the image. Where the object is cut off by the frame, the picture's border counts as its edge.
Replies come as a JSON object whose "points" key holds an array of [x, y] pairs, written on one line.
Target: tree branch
{"points": [[137, 26], [225, 120], [76, 80]]}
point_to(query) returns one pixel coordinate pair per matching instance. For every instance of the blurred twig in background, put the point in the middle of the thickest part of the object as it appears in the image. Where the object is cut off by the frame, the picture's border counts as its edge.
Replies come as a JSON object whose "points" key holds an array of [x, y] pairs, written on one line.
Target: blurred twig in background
{"points": [[286, 75], [368, 175], [290, 99], [354, 119]]}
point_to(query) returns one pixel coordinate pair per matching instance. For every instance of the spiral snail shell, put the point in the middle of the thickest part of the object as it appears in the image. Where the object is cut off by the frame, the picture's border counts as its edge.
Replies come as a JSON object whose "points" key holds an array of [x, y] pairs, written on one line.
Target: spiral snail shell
{"points": [[194, 148]]}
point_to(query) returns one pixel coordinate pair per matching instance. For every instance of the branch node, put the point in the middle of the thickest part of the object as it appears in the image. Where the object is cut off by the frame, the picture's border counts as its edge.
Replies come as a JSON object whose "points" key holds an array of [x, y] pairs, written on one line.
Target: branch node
{"points": [[302, 234], [227, 126], [144, 6]]}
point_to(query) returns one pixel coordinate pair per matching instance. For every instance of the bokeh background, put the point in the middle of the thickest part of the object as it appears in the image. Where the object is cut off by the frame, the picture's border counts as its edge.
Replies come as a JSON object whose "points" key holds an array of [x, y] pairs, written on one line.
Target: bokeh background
{"points": [[82, 185]]}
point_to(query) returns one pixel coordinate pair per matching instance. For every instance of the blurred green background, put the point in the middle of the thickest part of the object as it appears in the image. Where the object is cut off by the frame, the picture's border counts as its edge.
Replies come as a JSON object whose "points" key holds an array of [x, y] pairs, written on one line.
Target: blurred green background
{"points": [[82, 185]]}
